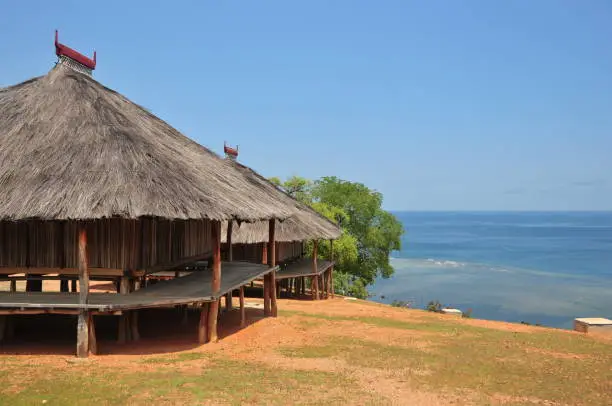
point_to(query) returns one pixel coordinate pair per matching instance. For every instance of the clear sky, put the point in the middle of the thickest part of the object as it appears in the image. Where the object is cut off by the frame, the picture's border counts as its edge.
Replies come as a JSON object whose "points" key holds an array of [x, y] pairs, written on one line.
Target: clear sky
{"points": [[439, 105]]}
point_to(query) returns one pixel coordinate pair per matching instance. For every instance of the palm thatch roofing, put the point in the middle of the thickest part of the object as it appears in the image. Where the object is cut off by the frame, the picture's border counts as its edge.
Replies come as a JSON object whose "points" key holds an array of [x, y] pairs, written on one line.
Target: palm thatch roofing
{"points": [[71, 148], [305, 224]]}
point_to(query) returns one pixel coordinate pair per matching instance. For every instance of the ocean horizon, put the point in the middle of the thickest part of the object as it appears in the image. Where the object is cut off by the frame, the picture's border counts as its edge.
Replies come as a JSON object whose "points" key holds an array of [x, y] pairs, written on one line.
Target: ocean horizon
{"points": [[539, 267]]}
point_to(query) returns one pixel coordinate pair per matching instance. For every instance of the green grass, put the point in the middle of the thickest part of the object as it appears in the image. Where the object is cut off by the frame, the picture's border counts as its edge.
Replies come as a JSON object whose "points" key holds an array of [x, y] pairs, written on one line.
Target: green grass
{"points": [[550, 365], [187, 356], [448, 356], [220, 382]]}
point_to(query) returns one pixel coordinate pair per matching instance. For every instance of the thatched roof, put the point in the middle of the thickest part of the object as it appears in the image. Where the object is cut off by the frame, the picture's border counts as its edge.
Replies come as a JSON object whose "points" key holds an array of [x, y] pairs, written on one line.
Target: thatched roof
{"points": [[306, 224], [71, 148]]}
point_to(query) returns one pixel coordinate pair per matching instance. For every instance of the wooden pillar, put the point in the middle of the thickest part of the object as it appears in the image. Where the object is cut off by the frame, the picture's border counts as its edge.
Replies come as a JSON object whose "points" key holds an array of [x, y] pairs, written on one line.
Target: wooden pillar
{"points": [[272, 264], [63, 284], [266, 294], [93, 343], [315, 268], [134, 314], [73, 287], [228, 301], [264, 254], [83, 324], [124, 332], [13, 285], [216, 281], [203, 324], [3, 327], [228, 239], [331, 270], [242, 309]]}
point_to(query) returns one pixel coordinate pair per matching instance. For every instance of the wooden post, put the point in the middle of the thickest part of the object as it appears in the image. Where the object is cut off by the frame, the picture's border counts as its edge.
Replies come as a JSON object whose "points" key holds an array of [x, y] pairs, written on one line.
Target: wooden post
{"points": [[264, 254], [228, 239], [83, 320], [123, 333], [93, 344], [216, 281], [13, 285], [3, 326], [73, 287], [228, 301], [266, 294], [203, 325], [134, 325], [272, 264], [64, 285], [315, 268], [242, 309], [331, 270]]}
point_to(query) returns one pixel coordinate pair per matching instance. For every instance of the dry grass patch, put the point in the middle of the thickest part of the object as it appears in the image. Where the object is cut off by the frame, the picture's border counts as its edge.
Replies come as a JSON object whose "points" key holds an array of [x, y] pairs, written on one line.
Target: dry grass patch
{"points": [[548, 365]]}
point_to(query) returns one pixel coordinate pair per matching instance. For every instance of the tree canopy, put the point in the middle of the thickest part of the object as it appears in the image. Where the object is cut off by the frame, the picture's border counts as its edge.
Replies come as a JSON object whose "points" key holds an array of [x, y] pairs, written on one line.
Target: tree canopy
{"points": [[369, 232]]}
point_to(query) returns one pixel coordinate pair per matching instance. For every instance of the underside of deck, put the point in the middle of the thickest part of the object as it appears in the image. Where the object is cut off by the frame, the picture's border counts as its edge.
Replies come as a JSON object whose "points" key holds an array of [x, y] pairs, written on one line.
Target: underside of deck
{"points": [[302, 268], [192, 288]]}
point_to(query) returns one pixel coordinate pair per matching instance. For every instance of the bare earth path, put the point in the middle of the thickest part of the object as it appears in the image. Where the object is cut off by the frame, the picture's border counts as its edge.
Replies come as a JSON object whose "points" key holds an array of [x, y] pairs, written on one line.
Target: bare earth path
{"points": [[326, 352]]}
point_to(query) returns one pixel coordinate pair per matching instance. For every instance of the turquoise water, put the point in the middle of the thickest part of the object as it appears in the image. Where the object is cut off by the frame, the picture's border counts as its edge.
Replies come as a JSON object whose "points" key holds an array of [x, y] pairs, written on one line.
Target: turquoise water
{"points": [[543, 268]]}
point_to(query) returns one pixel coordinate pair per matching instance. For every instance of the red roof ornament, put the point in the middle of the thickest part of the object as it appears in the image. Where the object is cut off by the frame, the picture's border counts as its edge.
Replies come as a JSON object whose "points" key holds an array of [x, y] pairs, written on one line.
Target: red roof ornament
{"points": [[63, 50], [229, 151]]}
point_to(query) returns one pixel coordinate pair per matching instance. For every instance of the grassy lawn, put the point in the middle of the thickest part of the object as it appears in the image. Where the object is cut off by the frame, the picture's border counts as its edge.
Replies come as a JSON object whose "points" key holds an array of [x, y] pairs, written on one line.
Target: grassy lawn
{"points": [[190, 378], [350, 360], [547, 365]]}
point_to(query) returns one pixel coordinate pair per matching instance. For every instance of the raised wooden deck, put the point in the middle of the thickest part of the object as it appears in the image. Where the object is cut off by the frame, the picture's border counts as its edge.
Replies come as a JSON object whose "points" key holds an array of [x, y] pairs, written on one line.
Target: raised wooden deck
{"points": [[192, 288], [303, 267]]}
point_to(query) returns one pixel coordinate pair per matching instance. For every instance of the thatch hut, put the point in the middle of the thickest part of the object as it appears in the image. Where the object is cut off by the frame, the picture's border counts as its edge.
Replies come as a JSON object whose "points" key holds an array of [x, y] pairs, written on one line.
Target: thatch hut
{"points": [[94, 185], [250, 241]]}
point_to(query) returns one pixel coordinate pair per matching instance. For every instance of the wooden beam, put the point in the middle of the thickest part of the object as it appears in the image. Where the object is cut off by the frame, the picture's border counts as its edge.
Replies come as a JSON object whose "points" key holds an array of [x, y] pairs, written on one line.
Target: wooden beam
{"points": [[59, 271], [272, 264], [180, 263], [228, 239], [242, 309], [83, 318], [73, 312], [216, 280]]}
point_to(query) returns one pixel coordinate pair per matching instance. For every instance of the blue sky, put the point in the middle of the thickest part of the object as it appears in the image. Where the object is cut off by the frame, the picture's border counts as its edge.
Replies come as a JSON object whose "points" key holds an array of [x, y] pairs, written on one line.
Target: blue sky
{"points": [[439, 105]]}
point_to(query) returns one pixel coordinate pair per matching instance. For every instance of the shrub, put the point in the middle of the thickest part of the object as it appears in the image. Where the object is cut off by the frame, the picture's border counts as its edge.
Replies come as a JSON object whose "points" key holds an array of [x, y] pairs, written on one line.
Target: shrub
{"points": [[400, 303], [434, 306]]}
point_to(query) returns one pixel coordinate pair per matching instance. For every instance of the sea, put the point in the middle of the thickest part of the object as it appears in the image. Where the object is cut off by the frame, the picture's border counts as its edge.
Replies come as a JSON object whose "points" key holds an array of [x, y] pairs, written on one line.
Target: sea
{"points": [[535, 267]]}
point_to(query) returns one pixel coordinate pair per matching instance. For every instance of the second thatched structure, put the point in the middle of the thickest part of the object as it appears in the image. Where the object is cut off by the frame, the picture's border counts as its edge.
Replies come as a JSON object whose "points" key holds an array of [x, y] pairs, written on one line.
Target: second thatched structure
{"points": [[250, 242]]}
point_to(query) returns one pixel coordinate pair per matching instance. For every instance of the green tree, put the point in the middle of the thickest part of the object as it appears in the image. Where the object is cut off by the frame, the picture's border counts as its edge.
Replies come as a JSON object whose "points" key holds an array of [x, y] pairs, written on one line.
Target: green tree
{"points": [[369, 233], [300, 188], [376, 231]]}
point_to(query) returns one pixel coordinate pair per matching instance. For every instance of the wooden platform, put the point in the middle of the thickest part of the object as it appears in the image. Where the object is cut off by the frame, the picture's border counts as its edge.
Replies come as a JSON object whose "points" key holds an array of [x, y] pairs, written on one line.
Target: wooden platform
{"points": [[303, 267], [192, 288]]}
